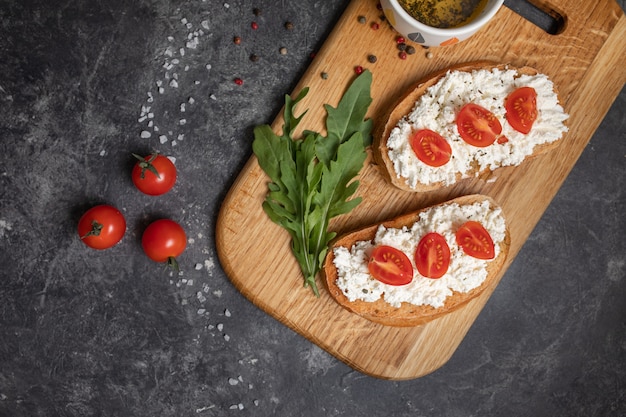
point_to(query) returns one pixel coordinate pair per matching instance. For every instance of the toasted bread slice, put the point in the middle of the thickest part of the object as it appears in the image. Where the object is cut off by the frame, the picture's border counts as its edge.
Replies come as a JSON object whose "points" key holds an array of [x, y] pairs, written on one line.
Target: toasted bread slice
{"points": [[406, 104], [380, 311]]}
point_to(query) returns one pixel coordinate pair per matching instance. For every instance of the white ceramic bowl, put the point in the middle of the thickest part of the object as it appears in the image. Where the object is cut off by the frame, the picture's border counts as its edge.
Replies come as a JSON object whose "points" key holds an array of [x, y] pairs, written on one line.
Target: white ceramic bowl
{"points": [[424, 35]]}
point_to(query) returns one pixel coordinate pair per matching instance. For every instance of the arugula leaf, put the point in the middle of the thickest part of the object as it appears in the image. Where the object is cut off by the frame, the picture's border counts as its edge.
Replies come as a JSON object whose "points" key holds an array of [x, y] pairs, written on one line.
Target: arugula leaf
{"points": [[313, 178]]}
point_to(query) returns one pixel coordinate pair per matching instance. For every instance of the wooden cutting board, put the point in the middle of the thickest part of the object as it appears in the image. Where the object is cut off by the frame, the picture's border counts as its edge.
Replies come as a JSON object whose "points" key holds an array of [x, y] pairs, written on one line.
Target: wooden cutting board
{"points": [[585, 61]]}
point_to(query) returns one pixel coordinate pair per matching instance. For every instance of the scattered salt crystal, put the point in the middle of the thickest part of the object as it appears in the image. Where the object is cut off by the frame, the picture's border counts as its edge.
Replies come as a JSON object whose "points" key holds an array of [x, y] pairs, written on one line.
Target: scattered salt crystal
{"points": [[205, 288], [159, 83], [174, 83], [145, 134], [227, 313], [175, 61], [192, 43], [150, 123], [162, 138], [170, 38], [233, 381], [155, 128], [234, 407], [184, 302], [181, 136], [226, 5], [161, 90], [186, 67], [184, 281], [103, 152], [191, 100], [205, 24], [182, 107], [208, 66], [150, 115], [201, 311], [182, 122], [142, 119], [183, 20], [217, 293], [189, 25], [256, 402], [190, 282], [220, 327], [182, 51], [240, 405], [198, 266], [226, 337]]}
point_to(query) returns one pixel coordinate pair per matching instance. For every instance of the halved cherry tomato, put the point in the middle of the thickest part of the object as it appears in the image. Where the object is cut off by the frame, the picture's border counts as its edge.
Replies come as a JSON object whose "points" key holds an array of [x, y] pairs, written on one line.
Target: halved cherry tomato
{"points": [[432, 256], [477, 125], [390, 266], [154, 174], [521, 109], [164, 240], [101, 227], [430, 148], [475, 240]]}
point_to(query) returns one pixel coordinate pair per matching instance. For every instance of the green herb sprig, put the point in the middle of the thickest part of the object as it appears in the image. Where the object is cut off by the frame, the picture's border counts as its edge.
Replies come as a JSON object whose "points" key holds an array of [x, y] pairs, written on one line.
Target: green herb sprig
{"points": [[313, 178]]}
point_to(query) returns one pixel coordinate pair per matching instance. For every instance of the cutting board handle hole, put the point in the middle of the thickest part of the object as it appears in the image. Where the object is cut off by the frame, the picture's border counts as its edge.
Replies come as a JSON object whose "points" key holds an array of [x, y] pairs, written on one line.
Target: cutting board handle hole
{"points": [[539, 13]]}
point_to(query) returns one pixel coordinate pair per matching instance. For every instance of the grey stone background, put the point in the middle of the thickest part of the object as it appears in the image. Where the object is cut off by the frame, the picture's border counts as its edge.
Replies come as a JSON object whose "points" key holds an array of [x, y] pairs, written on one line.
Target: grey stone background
{"points": [[110, 333]]}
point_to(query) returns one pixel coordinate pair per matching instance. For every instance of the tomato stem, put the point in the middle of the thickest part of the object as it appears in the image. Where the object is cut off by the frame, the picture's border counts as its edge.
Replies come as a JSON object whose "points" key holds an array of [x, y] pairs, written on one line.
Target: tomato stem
{"points": [[173, 263], [96, 228], [146, 164]]}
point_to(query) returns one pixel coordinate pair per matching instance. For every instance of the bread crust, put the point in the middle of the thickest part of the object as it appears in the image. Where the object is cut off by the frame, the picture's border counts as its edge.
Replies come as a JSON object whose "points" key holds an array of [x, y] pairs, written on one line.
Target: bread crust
{"points": [[407, 315], [405, 105]]}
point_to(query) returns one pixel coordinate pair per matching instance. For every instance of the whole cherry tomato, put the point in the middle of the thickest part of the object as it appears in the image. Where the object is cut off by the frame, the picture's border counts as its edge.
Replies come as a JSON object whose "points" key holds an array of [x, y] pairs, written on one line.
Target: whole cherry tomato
{"points": [[154, 174], [164, 240], [101, 227]]}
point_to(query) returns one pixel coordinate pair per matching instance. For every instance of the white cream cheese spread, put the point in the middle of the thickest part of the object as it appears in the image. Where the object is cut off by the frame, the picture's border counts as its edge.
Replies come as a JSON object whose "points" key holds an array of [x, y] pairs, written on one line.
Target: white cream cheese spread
{"points": [[464, 273], [437, 109]]}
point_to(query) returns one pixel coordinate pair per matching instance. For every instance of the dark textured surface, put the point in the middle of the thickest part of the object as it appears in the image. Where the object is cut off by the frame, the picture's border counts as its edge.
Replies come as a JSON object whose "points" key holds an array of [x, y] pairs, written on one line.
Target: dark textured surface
{"points": [[109, 333]]}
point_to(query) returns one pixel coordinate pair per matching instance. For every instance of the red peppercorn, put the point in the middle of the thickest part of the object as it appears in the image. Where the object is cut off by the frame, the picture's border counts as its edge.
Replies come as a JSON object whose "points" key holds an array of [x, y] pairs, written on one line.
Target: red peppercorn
{"points": [[358, 69], [375, 26], [254, 25], [238, 81], [402, 55], [400, 39], [237, 40]]}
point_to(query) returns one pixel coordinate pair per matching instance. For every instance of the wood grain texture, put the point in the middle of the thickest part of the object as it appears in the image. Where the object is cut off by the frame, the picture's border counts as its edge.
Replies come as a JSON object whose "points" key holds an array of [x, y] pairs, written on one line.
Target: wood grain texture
{"points": [[585, 63]]}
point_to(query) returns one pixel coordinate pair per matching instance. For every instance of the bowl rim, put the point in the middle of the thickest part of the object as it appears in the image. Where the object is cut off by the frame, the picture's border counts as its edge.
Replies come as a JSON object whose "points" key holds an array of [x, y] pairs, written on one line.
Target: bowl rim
{"points": [[483, 18]]}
